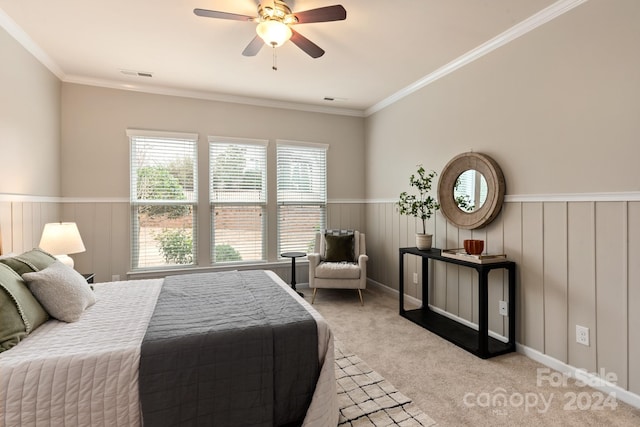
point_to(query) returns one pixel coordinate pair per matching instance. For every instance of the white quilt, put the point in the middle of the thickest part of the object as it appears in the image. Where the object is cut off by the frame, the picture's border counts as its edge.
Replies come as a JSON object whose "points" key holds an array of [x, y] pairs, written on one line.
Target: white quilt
{"points": [[86, 373]]}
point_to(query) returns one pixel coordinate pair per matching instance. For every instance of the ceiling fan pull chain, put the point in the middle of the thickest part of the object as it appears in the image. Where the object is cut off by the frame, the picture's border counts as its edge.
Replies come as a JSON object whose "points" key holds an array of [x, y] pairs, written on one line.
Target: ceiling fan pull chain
{"points": [[274, 67]]}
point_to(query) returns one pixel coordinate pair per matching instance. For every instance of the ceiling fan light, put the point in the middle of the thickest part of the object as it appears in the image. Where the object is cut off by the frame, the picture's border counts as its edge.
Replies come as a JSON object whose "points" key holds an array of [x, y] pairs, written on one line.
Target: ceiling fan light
{"points": [[274, 33]]}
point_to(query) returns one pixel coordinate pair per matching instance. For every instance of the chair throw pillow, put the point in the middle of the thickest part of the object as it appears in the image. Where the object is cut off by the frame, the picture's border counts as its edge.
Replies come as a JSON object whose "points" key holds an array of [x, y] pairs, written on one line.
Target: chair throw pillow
{"points": [[61, 290], [339, 248], [20, 312]]}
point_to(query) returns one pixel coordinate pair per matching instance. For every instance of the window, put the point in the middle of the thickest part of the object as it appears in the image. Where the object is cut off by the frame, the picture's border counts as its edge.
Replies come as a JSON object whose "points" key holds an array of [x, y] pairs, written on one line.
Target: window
{"points": [[238, 197], [302, 194], [164, 196]]}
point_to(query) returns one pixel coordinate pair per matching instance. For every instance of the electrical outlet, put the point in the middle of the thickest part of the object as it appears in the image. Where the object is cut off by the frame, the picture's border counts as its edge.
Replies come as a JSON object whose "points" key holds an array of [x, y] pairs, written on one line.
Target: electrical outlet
{"points": [[503, 308], [582, 335], [415, 278], [115, 277]]}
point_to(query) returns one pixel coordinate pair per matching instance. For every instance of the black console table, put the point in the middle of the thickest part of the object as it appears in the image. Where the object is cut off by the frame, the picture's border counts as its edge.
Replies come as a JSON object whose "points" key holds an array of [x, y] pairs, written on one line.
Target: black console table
{"points": [[478, 341]]}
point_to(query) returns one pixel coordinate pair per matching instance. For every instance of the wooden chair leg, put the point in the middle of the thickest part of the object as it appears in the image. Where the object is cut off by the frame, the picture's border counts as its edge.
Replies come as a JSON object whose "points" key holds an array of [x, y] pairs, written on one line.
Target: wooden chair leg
{"points": [[314, 295], [361, 300]]}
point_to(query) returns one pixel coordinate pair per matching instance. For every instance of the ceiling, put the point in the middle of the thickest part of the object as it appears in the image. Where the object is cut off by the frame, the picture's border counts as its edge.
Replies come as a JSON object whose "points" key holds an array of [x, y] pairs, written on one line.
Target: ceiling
{"points": [[381, 48]]}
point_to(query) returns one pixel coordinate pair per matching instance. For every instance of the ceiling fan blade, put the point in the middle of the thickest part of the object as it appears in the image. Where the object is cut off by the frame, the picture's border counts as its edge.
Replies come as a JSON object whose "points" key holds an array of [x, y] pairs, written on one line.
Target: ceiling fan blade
{"points": [[253, 47], [222, 15], [310, 48], [322, 14]]}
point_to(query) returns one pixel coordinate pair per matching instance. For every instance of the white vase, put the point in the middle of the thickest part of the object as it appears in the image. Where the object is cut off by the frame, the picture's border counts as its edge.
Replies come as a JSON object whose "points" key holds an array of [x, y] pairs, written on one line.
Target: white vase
{"points": [[423, 241]]}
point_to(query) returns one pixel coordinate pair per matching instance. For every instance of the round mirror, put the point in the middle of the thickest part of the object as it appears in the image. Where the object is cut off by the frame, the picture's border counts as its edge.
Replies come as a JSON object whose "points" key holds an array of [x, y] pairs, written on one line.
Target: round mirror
{"points": [[470, 190]]}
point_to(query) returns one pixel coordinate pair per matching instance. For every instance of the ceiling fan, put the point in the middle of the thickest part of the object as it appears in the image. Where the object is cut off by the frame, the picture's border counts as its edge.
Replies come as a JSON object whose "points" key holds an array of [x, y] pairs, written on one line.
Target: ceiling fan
{"points": [[274, 24]]}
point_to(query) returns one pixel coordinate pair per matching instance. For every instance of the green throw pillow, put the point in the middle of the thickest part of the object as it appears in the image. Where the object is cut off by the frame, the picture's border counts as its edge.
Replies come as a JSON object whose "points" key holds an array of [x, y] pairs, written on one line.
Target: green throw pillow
{"points": [[339, 248], [28, 262], [20, 312]]}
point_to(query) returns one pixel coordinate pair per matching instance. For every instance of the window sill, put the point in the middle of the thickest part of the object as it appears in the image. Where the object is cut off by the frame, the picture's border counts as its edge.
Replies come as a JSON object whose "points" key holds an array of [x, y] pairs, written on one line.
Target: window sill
{"points": [[162, 272]]}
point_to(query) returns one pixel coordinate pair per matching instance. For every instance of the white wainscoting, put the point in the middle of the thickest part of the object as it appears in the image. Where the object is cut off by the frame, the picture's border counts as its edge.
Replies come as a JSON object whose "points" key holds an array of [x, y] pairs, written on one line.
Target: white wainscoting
{"points": [[22, 221], [577, 265], [104, 225]]}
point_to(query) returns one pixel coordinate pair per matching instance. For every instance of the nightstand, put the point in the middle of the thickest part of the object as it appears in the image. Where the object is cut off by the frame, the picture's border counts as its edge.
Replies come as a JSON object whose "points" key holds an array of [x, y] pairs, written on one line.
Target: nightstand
{"points": [[89, 277]]}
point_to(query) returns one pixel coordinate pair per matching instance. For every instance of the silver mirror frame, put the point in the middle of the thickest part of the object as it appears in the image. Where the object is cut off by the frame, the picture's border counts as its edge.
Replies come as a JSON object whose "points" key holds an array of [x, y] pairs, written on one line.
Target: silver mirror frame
{"points": [[495, 190]]}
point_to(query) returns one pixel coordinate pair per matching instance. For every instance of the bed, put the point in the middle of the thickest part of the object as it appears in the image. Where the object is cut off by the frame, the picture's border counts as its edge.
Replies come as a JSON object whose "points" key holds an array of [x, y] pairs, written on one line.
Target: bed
{"points": [[129, 360]]}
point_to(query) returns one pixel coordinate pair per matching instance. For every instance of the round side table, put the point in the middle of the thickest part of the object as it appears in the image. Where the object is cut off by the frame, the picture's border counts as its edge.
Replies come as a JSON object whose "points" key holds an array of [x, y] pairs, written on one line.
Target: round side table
{"points": [[293, 256]]}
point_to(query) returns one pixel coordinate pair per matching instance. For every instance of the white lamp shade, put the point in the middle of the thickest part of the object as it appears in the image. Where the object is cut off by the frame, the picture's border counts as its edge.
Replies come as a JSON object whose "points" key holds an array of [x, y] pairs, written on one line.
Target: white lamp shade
{"points": [[274, 33], [61, 238]]}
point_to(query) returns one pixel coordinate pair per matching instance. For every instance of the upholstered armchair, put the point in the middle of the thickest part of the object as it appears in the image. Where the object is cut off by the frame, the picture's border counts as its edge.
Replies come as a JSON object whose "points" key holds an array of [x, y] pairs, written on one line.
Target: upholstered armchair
{"points": [[339, 261]]}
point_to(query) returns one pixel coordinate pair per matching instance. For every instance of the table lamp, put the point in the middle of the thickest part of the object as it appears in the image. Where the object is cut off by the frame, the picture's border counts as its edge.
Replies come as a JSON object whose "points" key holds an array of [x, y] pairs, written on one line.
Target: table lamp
{"points": [[61, 239]]}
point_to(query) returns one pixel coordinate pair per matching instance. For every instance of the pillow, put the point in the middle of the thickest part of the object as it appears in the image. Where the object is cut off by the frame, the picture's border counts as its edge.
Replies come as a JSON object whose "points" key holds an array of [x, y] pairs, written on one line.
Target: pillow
{"points": [[20, 312], [9, 255], [33, 260], [61, 290], [339, 248]]}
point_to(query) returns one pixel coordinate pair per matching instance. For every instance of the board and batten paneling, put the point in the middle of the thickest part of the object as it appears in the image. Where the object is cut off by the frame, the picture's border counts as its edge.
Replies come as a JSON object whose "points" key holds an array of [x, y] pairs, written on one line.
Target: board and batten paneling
{"points": [[576, 266], [581, 281], [634, 295], [611, 289], [22, 222], [555, 280], [105, 225]]}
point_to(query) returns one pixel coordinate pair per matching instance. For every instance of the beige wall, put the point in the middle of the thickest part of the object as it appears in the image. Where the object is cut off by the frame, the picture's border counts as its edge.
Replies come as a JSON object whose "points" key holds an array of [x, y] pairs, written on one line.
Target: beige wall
{"points": [[95, 161], [29, 123], [558, 109], [29, 147], [95, 146]]}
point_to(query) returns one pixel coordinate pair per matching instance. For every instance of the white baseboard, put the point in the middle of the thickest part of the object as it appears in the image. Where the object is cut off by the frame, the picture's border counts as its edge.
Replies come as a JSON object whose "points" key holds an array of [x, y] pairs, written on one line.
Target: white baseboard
{"points": [[416, 301], [591, 379]]}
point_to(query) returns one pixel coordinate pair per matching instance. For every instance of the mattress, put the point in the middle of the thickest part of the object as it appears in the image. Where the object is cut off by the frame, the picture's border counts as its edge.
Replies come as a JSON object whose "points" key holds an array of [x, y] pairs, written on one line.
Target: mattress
{"points": [[86, 373]]}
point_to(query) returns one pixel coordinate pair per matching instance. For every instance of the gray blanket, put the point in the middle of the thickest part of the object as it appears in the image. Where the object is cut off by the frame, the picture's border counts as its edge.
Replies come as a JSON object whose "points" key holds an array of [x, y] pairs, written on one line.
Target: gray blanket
{"points": [[227, 349]]}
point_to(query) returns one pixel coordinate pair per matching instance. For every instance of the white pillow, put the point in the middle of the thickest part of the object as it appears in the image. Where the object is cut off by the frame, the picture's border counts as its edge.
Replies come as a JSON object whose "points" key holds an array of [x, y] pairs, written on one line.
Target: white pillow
{"points": [[61, 290]]}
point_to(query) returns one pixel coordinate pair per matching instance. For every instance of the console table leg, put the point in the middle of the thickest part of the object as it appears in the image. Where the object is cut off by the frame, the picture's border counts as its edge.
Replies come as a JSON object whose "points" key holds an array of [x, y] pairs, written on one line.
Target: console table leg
{"points": [[401, 283], [483, 313], [425, 283], [512, 307]]}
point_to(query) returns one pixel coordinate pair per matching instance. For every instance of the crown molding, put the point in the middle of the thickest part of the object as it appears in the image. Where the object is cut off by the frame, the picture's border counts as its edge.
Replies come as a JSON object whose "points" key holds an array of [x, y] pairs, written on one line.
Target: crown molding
{"points": [[534, 21], [23, 38], [211, 96], [27, 42], [553, 11]]}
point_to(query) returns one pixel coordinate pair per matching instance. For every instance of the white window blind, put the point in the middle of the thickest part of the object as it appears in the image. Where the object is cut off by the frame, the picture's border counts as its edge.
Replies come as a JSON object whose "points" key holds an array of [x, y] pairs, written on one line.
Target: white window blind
{"points": [[164, 194], [302, 195], [238, 196]]}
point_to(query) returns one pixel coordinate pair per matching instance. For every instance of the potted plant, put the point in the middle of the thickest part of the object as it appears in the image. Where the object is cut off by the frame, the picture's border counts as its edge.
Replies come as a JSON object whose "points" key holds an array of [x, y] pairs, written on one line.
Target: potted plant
{"points": [[420, 205]]}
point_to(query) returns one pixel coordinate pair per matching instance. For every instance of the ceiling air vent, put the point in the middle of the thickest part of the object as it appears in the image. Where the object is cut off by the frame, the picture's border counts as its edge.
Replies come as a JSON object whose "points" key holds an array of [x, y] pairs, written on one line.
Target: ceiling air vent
{"points": [[137, 73], [334, 98]]}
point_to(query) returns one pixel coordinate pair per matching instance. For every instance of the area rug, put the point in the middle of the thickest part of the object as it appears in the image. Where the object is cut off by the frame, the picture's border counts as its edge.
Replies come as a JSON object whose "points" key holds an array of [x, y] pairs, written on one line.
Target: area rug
{"points": [[365, 398]]}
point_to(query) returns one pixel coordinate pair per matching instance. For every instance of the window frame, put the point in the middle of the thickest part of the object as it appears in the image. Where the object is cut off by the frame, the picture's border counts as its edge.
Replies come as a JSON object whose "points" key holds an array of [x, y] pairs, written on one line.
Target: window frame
{"points": [[321, 202], [264, 203], [134, 202]]}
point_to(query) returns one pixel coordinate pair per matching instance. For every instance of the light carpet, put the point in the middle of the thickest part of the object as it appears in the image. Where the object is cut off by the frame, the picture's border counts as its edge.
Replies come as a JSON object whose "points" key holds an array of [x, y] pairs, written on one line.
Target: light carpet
{"points": [[365, 398]]}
